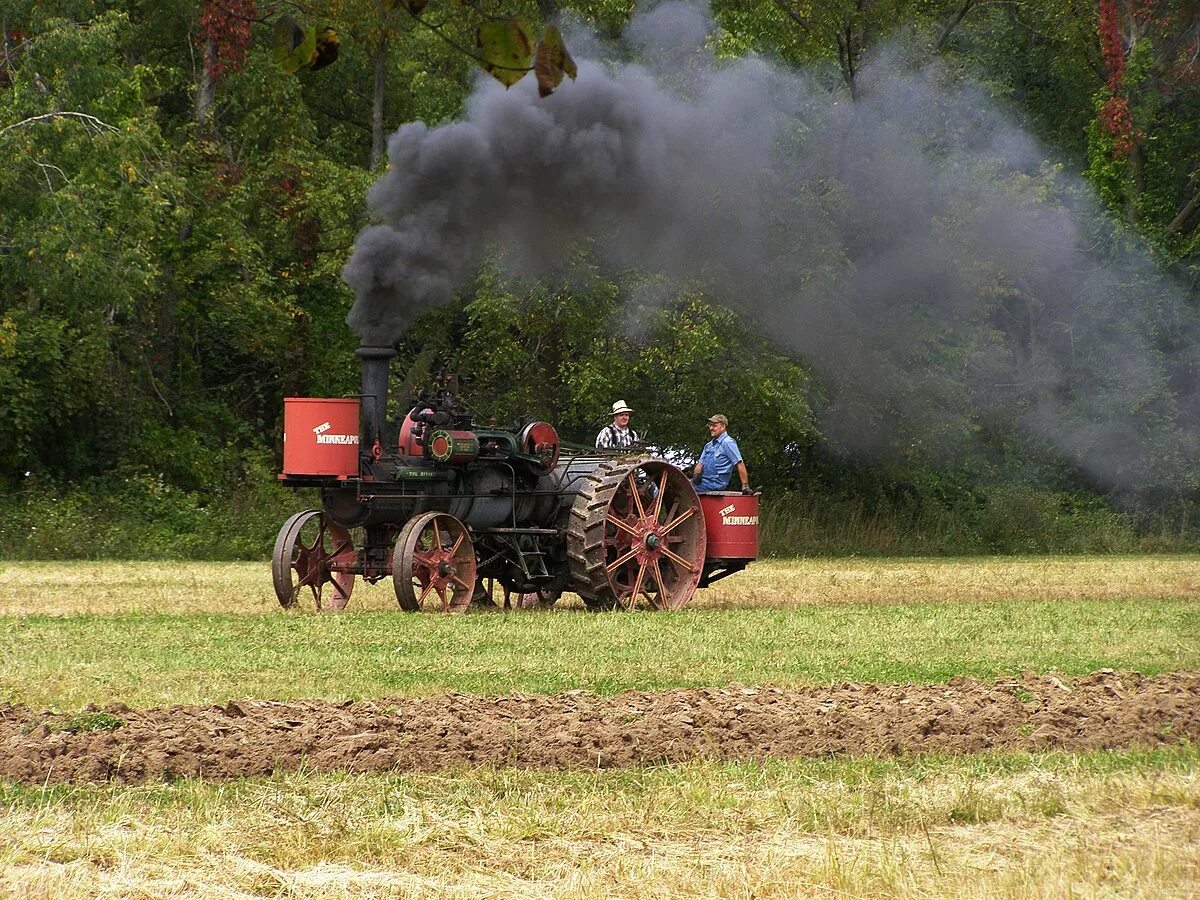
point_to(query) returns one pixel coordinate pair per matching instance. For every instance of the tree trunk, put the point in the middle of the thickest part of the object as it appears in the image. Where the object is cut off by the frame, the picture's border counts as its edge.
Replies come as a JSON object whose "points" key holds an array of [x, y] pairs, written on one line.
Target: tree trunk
{"points": [[1183, 220], [848, 62], [207, 91], [953, 22], [1137, 164], [377, 104]]}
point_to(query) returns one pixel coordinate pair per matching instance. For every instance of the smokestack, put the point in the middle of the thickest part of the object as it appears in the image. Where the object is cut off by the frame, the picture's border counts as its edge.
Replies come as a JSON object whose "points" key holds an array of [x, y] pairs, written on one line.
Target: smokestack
{"points": [[375, 362]]}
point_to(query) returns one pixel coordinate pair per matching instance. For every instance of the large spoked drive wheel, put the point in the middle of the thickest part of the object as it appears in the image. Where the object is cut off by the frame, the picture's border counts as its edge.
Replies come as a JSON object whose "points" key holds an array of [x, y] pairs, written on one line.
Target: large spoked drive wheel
{"points": [[636, 532], [433, 565], [312, 552]]}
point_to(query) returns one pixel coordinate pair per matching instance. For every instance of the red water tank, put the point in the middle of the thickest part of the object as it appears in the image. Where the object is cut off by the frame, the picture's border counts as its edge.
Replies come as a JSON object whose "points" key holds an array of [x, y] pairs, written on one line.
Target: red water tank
{"points": [[731, 523], [320, 436]]}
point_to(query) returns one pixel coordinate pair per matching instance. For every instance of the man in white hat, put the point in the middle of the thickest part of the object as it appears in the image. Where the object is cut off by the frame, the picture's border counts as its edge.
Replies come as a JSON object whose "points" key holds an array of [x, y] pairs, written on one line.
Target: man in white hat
{"points": [[617, 435]]}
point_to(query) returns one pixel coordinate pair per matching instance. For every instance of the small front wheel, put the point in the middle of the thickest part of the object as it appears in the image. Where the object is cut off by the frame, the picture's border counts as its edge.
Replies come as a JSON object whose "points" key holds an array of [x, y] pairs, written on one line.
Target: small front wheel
{"points": [[311, 552], [434, 561]]}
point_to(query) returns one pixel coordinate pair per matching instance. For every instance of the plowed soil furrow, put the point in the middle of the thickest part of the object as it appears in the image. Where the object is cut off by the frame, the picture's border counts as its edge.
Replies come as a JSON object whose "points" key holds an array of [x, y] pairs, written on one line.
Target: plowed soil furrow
{"points": [[578, 729]]}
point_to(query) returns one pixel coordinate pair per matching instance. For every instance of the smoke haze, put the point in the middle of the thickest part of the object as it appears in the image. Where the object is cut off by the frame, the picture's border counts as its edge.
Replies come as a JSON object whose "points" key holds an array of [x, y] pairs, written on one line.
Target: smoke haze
{"points": [[900, 244]]}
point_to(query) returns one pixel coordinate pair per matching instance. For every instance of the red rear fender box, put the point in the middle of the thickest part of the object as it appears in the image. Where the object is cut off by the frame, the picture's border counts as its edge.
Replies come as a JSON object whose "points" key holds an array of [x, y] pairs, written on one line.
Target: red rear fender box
{"points": [[320, 436], [731, 523]]}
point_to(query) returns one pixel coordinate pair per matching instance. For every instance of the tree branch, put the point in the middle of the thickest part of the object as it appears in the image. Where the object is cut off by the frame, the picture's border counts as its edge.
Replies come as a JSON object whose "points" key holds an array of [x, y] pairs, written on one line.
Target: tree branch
{"points": [[953, 23], [437, 30], [83, 117], [794, 16], [1182, 222]]}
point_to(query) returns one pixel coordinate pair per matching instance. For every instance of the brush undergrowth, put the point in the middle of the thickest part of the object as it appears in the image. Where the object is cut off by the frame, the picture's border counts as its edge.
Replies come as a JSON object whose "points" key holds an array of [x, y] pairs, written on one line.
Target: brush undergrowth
{"points": [[141, 516], [1001, 520]]}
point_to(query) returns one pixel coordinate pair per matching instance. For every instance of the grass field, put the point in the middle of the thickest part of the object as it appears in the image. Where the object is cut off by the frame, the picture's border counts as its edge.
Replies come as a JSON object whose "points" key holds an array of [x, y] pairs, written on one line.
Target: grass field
{"points": [[1098, 824], [148, 634]]}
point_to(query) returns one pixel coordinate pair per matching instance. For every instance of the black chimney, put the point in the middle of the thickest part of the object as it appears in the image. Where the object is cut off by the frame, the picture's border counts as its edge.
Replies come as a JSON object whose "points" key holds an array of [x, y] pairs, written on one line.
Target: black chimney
{"points": [[375, 364]]}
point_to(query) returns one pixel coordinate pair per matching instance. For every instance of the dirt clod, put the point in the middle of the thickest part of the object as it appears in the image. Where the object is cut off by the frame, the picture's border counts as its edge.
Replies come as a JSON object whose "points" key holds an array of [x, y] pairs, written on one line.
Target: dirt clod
{"points": [[577, 729]]}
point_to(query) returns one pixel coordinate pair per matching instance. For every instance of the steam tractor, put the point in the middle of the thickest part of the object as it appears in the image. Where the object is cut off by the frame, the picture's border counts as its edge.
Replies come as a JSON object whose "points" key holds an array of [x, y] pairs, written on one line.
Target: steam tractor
{"points": [[448, 508]]}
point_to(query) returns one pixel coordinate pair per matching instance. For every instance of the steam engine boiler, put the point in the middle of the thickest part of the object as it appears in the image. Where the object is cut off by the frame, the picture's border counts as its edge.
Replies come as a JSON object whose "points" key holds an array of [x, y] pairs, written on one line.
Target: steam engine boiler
{"points": [[448, 508]]}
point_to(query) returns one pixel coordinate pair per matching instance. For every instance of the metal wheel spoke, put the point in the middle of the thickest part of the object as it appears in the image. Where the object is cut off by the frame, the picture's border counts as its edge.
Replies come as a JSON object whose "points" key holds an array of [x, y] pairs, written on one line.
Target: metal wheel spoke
{"points": [[437, 536], [637, 500], [457, 580], [622, 524], [662, 588], [674, 509], [319, 540], [457, 544], [678, 560], [637, 586], [426, 588], [662, 490], [620, 561], [683, 517]]}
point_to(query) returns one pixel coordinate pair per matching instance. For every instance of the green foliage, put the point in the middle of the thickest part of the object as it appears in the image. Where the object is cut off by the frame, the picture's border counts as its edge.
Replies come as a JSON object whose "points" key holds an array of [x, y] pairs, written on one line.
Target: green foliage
{"points": [[1001, 520], [167, 278], [141, 515], [564, 355]]}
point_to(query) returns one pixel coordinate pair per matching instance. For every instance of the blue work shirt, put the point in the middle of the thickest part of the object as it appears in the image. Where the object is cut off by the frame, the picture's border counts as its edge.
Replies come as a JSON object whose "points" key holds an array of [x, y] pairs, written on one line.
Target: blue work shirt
{"points": [[718, 458]]}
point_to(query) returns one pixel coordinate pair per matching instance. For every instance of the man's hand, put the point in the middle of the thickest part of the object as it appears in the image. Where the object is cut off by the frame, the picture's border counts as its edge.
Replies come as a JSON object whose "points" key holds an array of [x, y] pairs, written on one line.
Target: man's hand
{"points": [[746, 489]]}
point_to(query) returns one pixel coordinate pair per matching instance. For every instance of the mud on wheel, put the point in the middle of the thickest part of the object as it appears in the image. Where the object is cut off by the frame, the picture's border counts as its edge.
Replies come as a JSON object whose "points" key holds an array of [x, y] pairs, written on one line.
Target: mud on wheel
{"points": [[636, 532]]}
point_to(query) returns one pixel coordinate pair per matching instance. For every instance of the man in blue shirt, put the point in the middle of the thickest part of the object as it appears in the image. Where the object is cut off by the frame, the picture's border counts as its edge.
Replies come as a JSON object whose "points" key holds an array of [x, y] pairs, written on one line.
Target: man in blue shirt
{"points": [[719, 458]]}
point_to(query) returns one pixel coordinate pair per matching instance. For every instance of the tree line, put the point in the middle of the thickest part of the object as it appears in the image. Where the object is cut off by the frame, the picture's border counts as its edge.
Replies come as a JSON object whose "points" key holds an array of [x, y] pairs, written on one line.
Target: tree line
{"points": [[185, 182]]}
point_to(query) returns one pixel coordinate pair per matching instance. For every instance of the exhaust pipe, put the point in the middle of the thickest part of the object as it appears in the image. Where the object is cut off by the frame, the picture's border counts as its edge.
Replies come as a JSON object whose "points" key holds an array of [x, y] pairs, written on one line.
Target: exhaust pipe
{"points": [[375, 366]]}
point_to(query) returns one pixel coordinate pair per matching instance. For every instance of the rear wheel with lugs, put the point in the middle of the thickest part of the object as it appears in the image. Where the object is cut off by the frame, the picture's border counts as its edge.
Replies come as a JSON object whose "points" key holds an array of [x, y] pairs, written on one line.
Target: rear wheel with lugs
{"points": [[636, 533]]}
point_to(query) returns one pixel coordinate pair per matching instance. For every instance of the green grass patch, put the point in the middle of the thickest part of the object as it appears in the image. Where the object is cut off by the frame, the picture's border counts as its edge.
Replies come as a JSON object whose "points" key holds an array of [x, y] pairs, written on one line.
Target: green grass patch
{"points": [[66, 662], [94, 720]]}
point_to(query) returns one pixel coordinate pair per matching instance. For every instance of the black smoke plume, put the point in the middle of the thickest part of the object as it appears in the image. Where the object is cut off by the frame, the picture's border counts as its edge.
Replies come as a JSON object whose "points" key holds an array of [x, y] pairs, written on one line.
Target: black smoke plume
{"points": [[914, 247]]}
